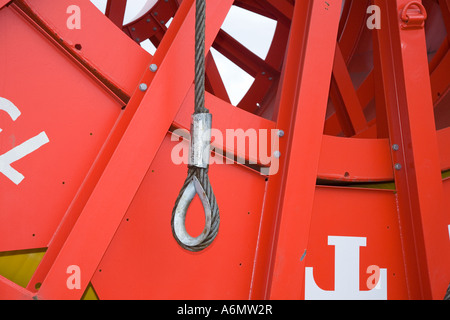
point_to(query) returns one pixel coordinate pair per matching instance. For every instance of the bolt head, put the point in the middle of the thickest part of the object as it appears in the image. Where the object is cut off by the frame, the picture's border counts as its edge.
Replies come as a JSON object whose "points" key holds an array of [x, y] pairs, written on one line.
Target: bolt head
{"points": [[153, 67], [398, 166], [143, 87], [280, 133], [395, 147], [277, 154]]}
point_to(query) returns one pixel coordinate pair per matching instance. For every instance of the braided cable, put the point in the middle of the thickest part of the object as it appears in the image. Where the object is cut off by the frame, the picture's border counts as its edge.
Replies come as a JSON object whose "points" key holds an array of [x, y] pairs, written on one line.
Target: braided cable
{"points": [[193, 171]]}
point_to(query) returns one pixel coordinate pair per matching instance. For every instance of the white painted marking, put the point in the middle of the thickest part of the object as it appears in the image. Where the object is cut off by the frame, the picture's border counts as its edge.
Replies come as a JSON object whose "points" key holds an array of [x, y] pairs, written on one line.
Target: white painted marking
{"points": [[346, 274], [9, 108], [18, 153]]}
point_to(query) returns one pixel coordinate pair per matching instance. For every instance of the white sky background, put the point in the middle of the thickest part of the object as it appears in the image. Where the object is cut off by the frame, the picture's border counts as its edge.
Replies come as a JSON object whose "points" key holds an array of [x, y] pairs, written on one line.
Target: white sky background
{"points": [[252, 30]]}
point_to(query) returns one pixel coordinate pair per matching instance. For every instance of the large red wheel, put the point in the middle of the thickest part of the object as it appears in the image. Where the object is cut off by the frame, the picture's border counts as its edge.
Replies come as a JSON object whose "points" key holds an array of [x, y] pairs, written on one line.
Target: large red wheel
{"points": [[352, 110]]}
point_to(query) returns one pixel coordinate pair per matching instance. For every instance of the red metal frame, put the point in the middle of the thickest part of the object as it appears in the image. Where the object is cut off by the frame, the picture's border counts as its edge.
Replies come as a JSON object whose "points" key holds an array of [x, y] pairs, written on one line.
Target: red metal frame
{"points": [[154, 113], [341, 115], [421, 209], [311, 77]]}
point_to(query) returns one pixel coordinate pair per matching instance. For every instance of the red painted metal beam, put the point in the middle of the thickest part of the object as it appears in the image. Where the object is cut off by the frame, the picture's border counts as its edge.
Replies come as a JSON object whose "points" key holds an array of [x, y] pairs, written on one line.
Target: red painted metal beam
{"points": [[378, 90], [445, 10], [11, 291], [283, 6], [214, 83], [240, 55], [95, 54], [423, 219], [4, 3], [350, 106], [115, 11], [353, 27], [226, 117], [290, 193], [260, 99], [440, 79], [115, 190], [305, 146]]}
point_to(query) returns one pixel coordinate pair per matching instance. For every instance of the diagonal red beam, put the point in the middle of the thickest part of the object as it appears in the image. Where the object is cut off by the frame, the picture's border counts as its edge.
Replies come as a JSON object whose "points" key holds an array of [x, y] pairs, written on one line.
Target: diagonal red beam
{"points": [[282, 6], [4, 3], [100, 218], [350, 109], [214, 82], [11, 291], [115, 11], [241, 56], [254, 6]]}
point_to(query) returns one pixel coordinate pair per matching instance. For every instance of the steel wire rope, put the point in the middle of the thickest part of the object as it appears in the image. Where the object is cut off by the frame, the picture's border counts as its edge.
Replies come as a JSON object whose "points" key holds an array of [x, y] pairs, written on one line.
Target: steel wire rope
{"points": [[193, 171]]}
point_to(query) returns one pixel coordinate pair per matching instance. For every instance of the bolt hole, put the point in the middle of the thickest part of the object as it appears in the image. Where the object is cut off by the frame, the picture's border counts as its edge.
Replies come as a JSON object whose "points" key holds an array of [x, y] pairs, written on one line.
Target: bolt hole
{"points": [[38, 285], [78, 47], [34, 235], [346, 174]]}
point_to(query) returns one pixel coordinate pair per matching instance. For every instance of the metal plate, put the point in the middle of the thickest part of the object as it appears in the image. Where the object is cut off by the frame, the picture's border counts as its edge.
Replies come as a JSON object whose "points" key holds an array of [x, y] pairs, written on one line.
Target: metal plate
{"points": [[145, 262], [56, 97]]}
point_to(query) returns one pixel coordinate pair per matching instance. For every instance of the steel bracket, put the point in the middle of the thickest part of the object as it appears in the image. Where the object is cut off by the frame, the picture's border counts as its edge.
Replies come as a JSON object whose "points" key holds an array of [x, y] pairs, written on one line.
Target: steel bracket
{"points": [[413, 16]]}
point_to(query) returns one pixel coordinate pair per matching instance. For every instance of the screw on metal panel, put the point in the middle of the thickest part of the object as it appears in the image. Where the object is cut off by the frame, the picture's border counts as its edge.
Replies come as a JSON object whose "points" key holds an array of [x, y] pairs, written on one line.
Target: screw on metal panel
{"points": [[280, 133], [277, 154], [398, 166], [143, 87], [153, 67], [395, 147]]}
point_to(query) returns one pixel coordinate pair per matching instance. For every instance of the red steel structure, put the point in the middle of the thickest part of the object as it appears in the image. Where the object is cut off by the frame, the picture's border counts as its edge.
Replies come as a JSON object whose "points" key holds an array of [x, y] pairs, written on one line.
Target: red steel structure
{"points": [[361, 108]]}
